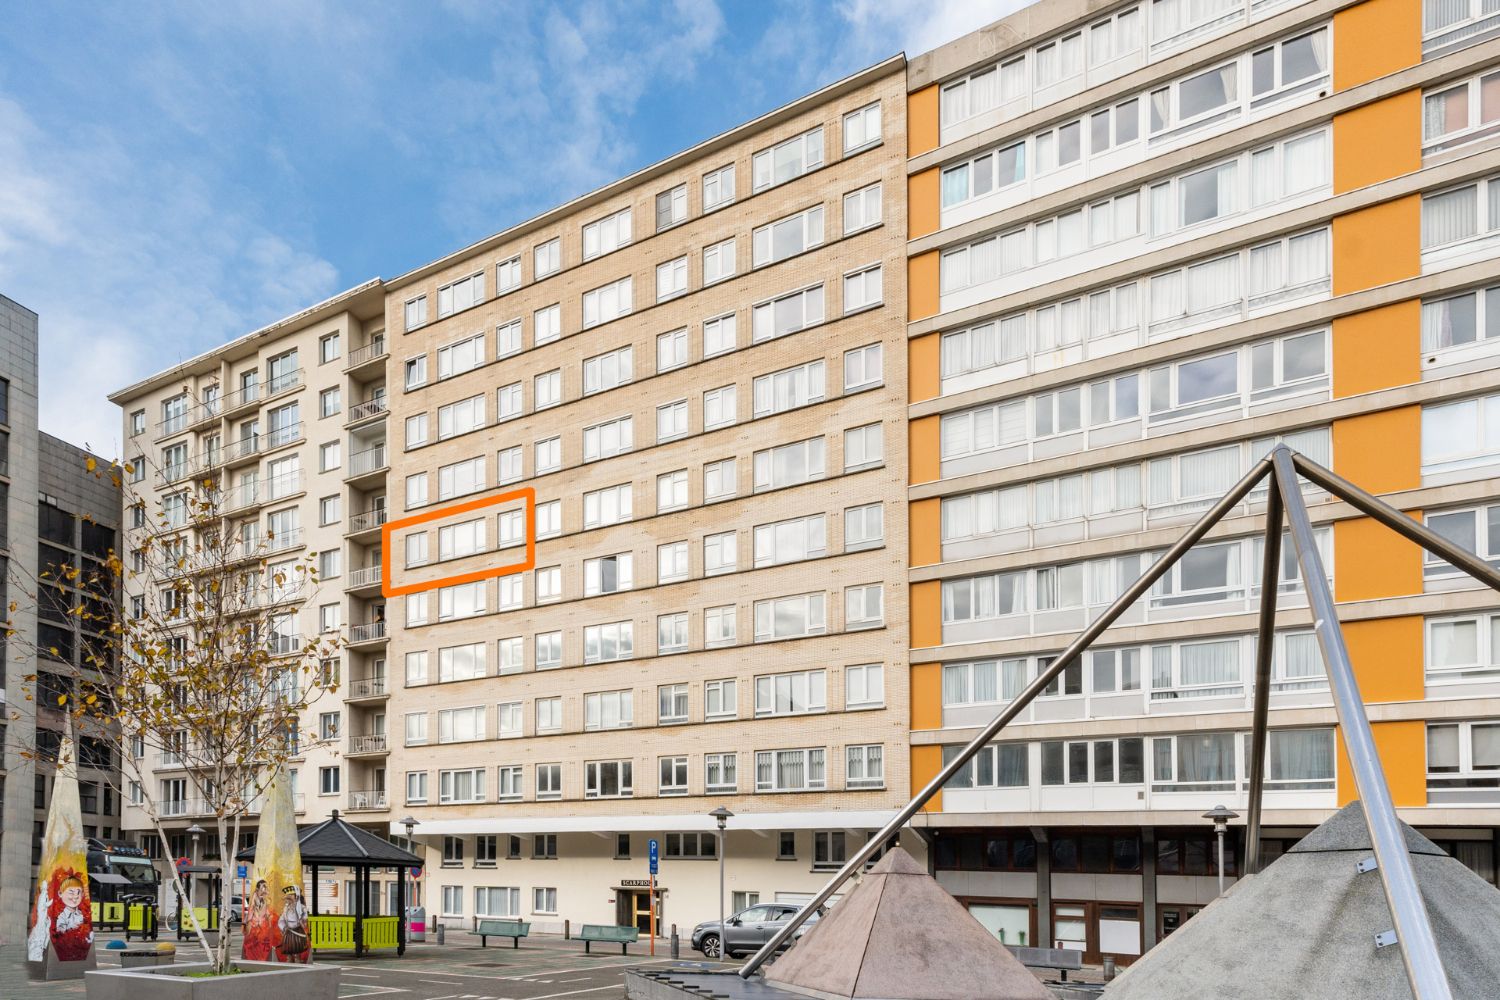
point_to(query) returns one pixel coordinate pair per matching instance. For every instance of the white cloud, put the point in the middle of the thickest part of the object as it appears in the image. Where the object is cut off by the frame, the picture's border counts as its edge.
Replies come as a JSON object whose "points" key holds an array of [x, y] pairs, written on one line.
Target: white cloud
{"points": [[882, 28]]}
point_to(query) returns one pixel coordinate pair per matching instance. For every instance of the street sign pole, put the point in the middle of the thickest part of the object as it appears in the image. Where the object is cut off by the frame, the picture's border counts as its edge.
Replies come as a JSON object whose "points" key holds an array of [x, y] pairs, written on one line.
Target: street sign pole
{"points": [[654, 857]]}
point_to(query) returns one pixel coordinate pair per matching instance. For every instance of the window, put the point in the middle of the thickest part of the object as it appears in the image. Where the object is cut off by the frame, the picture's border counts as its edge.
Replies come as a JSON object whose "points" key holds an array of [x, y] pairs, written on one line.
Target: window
{"points": [[864, 766], [862, 368], [672, 562], [549, 519], [544, 900], [720, 700], [864, 527], [607, 234], [1461, 320], [718, 262], [416, 312], [461, 725], [718, 188], [608, 370], [416, 787], [792, 540], [330, 510], [484, 847], [671, 279], [607, 779], [508, 275], [864, 686], [460, 663], [786, 846], [546, 259], [329, 402], [671, 350], [509, 464], [719, 626], [672, 420], [416, 372], [787, 237], [328, 458], [548, 650], [690, 845], [416, 670], [511, 654], [460, 357], [464, 600], [719, 480], [417, 551], [416, 430], [466, 785], [671, 207], [509, 724], [1281, 67], [607, 710], [510, 587], [453, 852], [460, 295], [463, 416], [789, 388], [787, 314], [1476, 530], [799, 693], [546, 325], [787, 160], [612, 437], [607, 302], [1462, 759], [607, 574], [1461, 434], [460, 478], [610, 505], [548, 715], [548, 783], [789, 464], [548, 456], [718, 407], [1196, 762], [863, 607], [790, 770], [613, 641], [719, 773], [1194, 99], [718, 335], [719, 553], [672, 633], [861, 209], [328, 780], [672, 703], [862, 447], [862, 289], [508, 339], [862, 128], [672, 491], [416, 727]]}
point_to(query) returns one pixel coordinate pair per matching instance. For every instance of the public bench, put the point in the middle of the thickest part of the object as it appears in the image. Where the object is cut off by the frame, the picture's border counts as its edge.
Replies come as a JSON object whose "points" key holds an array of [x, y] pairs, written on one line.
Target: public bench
{"points": [[608, 934], [513, 929], [1063, 960]]}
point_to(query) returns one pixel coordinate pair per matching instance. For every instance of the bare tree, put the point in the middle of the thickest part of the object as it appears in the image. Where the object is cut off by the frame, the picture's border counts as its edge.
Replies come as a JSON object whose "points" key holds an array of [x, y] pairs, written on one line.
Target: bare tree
{"points": [[195, 664]]}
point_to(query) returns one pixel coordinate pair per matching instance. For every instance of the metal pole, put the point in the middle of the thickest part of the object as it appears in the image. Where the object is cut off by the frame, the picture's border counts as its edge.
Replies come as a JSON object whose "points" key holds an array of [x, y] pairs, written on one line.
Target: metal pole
{"points": [[1221, 831], [1270, 579], [1397, 520], [1424, 968], [722, 928], [1064, 660], [651, 903]]}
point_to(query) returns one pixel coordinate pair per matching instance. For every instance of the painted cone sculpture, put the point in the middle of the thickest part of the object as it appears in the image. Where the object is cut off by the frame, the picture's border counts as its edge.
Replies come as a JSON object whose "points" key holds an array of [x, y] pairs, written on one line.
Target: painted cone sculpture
{"points": [[60, 940], [275, 920]]}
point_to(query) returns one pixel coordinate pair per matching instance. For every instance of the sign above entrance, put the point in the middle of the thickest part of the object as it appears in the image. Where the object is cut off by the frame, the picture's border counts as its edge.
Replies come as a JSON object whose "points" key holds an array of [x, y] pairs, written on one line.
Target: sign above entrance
{"points": [[635, 883]]}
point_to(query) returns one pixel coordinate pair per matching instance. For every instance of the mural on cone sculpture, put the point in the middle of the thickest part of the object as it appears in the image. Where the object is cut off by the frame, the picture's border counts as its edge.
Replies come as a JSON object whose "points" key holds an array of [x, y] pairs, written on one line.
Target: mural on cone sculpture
{"points": [[61, 917], [275, 918]]}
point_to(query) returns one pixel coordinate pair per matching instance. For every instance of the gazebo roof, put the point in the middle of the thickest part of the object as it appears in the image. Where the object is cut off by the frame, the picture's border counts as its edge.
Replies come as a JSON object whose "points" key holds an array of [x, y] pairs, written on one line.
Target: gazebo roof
{"points": [[336, 842]]}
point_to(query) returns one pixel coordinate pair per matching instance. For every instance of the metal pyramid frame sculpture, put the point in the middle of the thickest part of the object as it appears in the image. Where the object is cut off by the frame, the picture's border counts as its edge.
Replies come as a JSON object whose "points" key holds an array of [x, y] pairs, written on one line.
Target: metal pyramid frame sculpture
{"points": [[1409, 918], [60, 934]]}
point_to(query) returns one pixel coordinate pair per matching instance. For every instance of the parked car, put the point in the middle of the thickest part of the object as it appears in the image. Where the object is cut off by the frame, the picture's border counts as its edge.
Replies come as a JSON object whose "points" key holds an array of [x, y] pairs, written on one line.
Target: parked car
{"points": [[747, 930], [236, 909]]}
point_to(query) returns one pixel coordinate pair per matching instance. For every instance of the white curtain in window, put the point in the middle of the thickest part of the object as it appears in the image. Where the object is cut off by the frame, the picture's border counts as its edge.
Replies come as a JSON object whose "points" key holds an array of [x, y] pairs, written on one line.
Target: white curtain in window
{"points": [[1209, 473], [1437, 14], [1494, 212], [984, 681], [1167, 299], [1307, 258], [1265, 269], [955, 684], [1304, 163], [1213, 284], [984, 91], [1209, 757], [1300, 755], [1300, 656], [1013, 677], [1455, 644], [1449, 217], [1442, 748], [1210, 662], [1485, 745]]}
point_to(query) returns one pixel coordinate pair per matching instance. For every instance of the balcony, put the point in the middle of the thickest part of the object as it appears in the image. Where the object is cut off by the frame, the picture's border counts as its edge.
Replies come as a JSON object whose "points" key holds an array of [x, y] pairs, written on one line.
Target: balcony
{"points": [[169, 760], [242, 399], [368, 463], [369, 687], [174, 424], [288, 485], [374, 743], [285, 645], [361, 356], [247, 447], [206, 411], [370, 632], [241, 497], [280, 437], [282, 542], [360, 412], [285, 382], [367, 520], [176, 472], [363, 578], [367, 801]]}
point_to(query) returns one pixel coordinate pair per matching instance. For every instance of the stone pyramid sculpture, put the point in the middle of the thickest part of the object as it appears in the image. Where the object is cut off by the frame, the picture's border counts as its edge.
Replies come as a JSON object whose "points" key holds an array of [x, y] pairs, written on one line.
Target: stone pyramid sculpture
{"points": [[900, 936], [1304, 928]]}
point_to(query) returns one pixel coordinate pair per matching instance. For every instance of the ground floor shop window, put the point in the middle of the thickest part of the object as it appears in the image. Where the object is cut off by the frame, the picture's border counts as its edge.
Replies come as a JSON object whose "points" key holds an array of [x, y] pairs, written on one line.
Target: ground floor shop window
{"points": [[502, 901], [1011, 923]]}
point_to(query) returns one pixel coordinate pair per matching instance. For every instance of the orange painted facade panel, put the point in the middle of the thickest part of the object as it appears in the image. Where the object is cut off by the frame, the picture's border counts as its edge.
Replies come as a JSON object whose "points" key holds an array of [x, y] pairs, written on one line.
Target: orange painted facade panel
{"points": [[1377, 349], [1380, 452], [924, 210], [925, 531], [1373, 561], [1402, 747], [1375, 38], [924, 462], [1377, 245], [1378, 141], [922, 288], [924, 368], [927, 696], [926, 762], [926, 610], [1388, 658], [922, 123]]}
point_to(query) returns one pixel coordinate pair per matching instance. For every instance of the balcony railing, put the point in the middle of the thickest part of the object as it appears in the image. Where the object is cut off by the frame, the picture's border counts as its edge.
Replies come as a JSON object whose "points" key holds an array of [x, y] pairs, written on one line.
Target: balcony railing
{"points": [[209, 409], [241, 496], [244, 447], [367, 632], [169, 759], [369, 408], [283, 540], [171, 425], [368, 744], [284, 645], [176, 472], [362, 462], [369, 687], [285, 485], [373, 799], [366, 577], [284, 382], [374, 349], [278, 437], [365, 520], [243, 397]]}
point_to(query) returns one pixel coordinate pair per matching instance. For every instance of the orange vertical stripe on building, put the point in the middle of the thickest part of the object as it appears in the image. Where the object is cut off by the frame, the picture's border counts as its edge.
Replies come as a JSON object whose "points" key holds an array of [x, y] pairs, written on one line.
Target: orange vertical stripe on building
{"points": [[924, 210], [1377, 245], [926, 762], [924, 367], [922, 124], [1380, 452], [1377, 141], [1377, 349], [927, 696], [922, 290], [1373, 562], [926, 610], [1402, 747], [1375, 38], [1388, 658], [925, 531], [923, 462]]}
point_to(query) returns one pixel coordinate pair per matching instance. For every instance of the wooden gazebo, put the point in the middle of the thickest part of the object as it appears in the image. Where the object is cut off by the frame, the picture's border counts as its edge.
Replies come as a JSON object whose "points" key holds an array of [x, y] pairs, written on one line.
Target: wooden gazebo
{"points": [[336, 843]]}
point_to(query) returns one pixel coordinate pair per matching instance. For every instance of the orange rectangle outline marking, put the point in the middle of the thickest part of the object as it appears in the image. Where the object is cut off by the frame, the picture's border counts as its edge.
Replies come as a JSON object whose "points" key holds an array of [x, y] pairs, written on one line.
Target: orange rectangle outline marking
{"points": [[526, 493]]}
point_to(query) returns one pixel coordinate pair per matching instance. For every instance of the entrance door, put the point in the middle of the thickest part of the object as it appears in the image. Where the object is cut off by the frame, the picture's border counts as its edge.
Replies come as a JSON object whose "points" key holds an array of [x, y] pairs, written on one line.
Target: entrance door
{"points": [[637, 910], [1070, 928]]}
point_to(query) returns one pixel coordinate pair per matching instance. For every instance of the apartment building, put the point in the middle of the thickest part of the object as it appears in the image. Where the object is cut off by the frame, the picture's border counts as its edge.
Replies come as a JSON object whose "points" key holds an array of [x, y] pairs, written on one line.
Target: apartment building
{"points": [[288, 422], [1149, 240], [52, 514], [694, 378]]}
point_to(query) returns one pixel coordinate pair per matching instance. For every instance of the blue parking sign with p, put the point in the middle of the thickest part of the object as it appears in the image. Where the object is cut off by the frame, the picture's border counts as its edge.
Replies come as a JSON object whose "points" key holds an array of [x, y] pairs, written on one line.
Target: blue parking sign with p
{"points": [[654, 856]]}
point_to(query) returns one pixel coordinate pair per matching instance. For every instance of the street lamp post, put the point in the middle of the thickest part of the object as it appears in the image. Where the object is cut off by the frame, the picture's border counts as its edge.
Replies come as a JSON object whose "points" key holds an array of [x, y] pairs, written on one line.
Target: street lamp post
{"points": [[1221, 815], [722, 816], [195, 831], [410, 823]]}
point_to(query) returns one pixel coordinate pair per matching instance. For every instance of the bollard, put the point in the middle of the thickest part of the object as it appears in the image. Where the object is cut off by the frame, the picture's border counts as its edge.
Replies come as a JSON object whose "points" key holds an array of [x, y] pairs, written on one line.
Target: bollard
{"points": [[567, 930], [676, 943], [1109, 969], [440, 935]]}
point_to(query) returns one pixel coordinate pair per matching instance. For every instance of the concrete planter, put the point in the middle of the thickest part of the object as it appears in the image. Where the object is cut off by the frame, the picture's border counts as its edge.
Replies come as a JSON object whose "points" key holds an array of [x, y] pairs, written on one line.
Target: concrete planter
{"points": [[260, 980], [146, 959]]}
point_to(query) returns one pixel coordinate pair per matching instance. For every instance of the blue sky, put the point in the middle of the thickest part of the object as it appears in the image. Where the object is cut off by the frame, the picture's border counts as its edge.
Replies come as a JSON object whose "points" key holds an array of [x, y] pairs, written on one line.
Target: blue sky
{"points": [[172, 176]]}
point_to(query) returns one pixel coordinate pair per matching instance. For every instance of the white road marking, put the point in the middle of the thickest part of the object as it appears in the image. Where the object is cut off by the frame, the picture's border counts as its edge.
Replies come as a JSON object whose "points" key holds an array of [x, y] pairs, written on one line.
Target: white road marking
{"points": [[569, 993]]}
